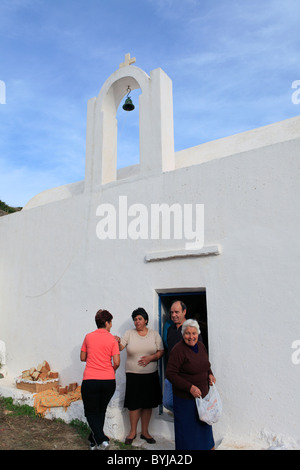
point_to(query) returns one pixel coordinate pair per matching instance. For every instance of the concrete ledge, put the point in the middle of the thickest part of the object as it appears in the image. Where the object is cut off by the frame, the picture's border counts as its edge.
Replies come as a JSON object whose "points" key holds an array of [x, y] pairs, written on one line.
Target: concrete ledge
{"points": [[22, 397], [185, 253]]}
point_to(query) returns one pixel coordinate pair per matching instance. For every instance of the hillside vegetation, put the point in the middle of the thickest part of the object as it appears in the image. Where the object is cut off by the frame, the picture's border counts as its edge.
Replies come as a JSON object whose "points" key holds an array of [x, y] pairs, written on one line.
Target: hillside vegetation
{"points": [[5, 209]]}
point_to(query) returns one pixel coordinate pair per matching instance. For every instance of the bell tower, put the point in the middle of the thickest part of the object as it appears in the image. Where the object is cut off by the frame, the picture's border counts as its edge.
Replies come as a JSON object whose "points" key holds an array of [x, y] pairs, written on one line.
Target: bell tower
{"points": [[156, 128]]}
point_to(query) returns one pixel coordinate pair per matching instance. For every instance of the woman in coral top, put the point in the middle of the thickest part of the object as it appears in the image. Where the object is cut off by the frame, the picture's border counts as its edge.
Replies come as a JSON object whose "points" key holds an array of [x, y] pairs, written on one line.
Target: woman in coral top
{"points": [[101, 353]]}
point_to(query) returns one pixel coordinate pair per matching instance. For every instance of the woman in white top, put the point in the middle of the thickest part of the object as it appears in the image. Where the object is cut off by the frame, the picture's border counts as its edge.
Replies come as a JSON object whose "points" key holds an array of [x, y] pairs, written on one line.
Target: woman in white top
{"points": [[143, 392]]}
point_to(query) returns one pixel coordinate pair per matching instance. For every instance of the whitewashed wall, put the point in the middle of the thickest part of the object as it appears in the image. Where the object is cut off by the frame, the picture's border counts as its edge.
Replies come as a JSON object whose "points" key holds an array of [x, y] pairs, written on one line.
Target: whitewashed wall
{"points": [[55, 274]]}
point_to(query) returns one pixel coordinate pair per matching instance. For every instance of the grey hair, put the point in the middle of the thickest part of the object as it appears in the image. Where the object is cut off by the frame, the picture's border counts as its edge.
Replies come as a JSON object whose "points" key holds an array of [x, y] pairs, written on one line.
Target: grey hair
{"points": [[192, 323]]}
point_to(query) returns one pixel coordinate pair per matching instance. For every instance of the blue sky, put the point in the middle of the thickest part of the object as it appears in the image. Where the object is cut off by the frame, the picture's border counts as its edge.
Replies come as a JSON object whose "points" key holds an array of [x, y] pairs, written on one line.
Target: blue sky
{"points": [[232, 63]]}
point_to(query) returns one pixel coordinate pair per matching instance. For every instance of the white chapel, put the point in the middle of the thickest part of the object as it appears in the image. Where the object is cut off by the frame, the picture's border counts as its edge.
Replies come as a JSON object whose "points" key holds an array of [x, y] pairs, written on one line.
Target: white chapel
{"points": [[235, 262]]}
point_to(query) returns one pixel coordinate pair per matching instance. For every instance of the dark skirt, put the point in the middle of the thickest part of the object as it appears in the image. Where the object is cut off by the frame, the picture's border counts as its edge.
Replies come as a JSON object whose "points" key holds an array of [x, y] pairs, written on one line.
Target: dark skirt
{"points": [[142, 391], [190, 432]]}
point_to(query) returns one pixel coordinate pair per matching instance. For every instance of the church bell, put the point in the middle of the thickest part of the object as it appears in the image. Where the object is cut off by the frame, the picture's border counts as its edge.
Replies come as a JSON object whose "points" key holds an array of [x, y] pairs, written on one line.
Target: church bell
{"points": [[128, 105]]}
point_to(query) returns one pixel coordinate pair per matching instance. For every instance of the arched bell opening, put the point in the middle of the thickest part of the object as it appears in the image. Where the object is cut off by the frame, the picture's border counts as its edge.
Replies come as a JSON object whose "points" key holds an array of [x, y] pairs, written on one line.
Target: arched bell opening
{"points": [[150, 131], [121, 129], [128, 133]]}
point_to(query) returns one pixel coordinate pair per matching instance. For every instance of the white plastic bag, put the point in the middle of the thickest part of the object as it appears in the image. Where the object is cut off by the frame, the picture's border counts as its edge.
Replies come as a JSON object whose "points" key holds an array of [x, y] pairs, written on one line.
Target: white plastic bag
{"points": [[210, 407]]}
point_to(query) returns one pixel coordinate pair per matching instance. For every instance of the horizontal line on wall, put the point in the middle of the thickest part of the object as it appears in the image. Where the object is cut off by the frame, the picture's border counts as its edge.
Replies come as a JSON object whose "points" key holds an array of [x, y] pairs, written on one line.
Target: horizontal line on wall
{"points": [[212, 250]]}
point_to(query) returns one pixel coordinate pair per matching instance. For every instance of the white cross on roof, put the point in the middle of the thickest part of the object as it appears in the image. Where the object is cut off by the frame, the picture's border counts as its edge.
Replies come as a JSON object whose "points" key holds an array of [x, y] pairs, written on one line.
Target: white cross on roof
{"points": [[128, 60]]}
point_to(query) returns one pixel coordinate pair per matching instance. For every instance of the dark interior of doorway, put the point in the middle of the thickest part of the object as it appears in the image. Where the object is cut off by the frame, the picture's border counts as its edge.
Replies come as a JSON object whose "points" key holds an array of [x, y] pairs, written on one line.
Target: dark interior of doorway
{"points": [[196, 309]]}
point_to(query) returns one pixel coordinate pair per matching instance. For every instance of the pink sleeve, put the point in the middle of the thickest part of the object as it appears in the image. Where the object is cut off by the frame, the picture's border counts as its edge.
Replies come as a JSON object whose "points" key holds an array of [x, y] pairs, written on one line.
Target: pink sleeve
{"points": [[115, 348], [83, 347]]}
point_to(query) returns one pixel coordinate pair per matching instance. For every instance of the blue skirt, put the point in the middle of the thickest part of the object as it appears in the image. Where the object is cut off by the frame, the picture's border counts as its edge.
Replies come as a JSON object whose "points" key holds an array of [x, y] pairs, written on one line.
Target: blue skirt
{"points": [[190, 432]]}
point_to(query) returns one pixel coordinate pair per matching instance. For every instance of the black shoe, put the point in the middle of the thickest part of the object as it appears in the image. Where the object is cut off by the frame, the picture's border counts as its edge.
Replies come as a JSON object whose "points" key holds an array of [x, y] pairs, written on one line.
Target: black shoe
{"points": [[129, 441], [150, 440]]}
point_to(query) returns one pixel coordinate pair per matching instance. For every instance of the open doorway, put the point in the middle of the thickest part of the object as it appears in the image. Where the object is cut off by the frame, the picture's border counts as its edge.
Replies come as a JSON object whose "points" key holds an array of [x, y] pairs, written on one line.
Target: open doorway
{"points": [[128, 137], [196, 308], [195, 302]]}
